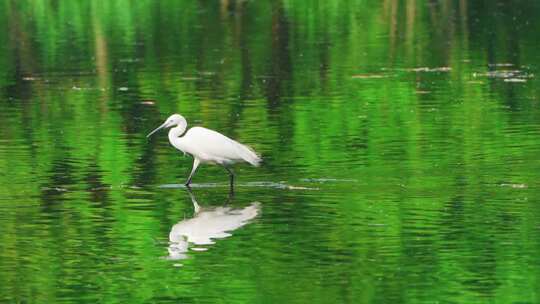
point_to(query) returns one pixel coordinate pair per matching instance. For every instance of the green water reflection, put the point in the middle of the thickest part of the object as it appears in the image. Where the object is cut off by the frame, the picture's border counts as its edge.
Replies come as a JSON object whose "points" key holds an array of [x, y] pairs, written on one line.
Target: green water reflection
{"points": [[401, 144]]}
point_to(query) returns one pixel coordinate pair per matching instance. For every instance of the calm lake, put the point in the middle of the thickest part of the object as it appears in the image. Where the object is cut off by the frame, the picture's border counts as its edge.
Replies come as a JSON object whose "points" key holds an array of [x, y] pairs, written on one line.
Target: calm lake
{"points": [[401, 147]]}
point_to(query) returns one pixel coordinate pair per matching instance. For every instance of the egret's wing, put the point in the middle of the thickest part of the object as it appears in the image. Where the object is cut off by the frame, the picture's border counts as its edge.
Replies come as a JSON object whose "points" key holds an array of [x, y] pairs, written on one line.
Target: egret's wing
{"points": [[213, 224], [215, 146]]}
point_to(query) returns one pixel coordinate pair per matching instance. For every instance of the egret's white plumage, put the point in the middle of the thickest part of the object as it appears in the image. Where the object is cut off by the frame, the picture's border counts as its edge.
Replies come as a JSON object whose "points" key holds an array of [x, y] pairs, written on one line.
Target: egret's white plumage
{"points": [[207, 226], [207, 146]]}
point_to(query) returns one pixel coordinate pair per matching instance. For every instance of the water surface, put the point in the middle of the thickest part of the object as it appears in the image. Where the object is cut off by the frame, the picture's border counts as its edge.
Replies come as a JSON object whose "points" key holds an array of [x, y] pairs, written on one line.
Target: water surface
{"points": [[400, 139]]}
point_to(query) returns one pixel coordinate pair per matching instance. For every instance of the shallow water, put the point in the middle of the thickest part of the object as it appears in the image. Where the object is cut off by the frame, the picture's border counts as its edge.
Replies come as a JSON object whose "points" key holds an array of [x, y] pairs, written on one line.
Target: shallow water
{"points": [[401, 145]]}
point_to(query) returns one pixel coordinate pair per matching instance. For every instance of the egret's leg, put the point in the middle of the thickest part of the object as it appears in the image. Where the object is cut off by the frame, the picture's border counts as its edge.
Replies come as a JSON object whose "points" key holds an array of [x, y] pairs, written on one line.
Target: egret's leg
{"points": [[231, 175], [231, 196], [196, 163], [196, 206]]}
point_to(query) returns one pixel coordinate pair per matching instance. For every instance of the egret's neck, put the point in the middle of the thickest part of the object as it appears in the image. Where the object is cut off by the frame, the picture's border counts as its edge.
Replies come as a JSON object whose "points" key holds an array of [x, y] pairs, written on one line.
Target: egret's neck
{"points": [[177, 131]]}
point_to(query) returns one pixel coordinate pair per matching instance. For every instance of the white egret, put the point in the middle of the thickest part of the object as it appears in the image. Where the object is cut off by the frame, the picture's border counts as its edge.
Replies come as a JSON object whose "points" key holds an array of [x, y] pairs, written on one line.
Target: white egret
{"points": [[206, 226], [207, 146]]}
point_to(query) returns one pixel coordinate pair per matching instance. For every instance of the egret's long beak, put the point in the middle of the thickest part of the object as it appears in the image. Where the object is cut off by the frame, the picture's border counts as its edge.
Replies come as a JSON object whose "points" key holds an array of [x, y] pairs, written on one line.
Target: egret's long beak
{"points": [[157, 129]]}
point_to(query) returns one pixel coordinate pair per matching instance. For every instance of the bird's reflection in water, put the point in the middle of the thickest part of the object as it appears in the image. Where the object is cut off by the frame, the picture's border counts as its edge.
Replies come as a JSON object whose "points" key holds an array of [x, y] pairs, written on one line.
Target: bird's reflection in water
{"points": [[206, 226]]}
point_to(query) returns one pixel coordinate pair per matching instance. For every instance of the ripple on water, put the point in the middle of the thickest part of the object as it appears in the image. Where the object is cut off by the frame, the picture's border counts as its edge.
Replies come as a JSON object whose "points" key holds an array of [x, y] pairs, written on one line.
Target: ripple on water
{"points": [[271, 185]]}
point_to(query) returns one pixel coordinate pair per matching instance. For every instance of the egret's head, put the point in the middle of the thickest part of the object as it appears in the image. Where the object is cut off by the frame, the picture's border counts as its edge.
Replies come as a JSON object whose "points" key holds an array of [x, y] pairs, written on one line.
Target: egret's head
{"points": [[173, 120]]}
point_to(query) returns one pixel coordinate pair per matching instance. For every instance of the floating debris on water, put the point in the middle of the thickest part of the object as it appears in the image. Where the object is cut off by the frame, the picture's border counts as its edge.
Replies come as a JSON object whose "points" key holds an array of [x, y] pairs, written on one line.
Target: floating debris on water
{"points": [[76, 88], [420, 69], [428, 69], [59, 189], [147, 102], [264, 77], [101, 188], [278, 185], [500, 64], [207, 73], [515, 80], [497, 74], [190, 78], [506, 75], [515, 186], [368, 76], [130, 60], [300, 188], [326, 180]]}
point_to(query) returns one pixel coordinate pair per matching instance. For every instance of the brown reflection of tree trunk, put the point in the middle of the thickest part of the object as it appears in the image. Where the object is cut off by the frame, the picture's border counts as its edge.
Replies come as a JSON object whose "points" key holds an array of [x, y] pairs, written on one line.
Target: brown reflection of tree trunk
{"points": [[463, 11], [101, 55], [448, 35], [23, 51], [393, 27], [224, 7], [324, 61], [26, 64], [247, 75], [385, 9], [240, 33], [278, 83], [228, 7], [434, 17], [409, 31], [280, 61], [236, 11], [513, 37]]}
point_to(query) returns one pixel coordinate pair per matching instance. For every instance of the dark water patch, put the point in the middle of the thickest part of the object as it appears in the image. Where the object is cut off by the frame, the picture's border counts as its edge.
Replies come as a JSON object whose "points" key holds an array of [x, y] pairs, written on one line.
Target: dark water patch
{"points": [[400, 144]]}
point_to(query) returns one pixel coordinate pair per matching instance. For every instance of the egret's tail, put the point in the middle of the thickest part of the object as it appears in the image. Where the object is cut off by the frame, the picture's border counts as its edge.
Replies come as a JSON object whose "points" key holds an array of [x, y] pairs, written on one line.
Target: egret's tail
{"points": [[249, 155]]}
